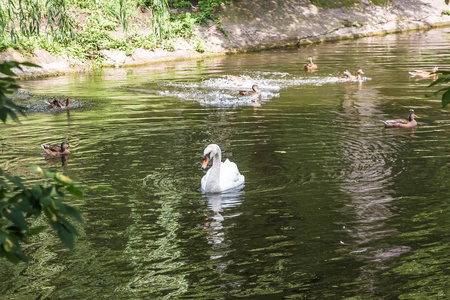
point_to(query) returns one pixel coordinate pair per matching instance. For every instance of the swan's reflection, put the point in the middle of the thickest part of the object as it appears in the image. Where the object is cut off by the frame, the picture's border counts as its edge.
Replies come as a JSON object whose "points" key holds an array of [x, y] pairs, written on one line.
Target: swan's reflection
{"points": [[220, 204]]}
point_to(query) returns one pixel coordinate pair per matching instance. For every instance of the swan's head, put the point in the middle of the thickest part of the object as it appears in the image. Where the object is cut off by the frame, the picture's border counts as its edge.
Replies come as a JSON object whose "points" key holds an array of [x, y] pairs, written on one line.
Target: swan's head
{"points": [[210, 151]]}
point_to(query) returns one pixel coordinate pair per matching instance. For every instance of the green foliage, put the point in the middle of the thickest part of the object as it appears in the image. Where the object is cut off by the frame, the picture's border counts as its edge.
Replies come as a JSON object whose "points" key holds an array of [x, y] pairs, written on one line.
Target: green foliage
{"points": [[380, 2], [82, 28], [343, 3], [26, 17], [19, 202], [446, 12], [445, 90], [333, 3], [7, 85], [179, 3], [160, 18], [207, 7]]}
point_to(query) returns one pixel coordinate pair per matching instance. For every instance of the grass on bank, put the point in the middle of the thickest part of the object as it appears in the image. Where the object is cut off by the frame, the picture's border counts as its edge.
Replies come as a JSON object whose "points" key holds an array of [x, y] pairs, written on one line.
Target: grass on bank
{"points": [[82, 28]]}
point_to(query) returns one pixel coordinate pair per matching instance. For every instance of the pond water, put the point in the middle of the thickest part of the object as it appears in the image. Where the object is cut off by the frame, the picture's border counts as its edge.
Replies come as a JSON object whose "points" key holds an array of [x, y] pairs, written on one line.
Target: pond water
{"points": [[334, 205]]}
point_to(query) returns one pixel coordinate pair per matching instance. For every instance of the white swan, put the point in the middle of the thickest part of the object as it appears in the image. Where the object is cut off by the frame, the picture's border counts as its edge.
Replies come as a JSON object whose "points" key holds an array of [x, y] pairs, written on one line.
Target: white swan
{"points": [[223, 175]]}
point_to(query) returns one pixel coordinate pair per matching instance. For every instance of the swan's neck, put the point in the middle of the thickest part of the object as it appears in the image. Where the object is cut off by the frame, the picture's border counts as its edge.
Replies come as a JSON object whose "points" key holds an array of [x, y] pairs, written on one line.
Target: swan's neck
{"points": [[213, 183]]}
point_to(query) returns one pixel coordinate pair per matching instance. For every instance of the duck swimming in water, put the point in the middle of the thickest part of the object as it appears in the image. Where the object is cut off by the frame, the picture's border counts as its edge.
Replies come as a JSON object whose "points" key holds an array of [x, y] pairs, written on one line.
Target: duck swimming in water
{"points": [[401, 123], [55, 150], [255, 91], [57, 104], [424, 74], [349, 77], [237, 79], [310, 66]]}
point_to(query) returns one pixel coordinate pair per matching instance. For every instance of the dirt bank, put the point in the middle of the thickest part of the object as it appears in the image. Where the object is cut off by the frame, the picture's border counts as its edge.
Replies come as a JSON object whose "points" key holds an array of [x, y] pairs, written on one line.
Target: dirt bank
{"points": [[262, 24]]}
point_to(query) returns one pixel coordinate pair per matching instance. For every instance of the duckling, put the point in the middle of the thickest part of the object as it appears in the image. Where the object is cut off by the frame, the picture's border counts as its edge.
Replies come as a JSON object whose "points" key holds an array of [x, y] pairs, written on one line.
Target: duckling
{"points": [[402, 123], [255, 91], [237, 79], [424, 74], [56, 150], [57, 104], [310, 66], [349, 77]]}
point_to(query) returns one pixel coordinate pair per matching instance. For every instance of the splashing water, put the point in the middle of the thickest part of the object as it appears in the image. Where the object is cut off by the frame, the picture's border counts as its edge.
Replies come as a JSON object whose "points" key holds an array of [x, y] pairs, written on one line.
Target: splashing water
{"points": [[221, 92]]}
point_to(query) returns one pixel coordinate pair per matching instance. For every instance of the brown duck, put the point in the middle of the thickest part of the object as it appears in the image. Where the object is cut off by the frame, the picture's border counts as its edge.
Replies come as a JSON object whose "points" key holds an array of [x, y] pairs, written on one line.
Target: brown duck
{"points": [[255, 91], [349, 77], [55, 150], [57, 104], [401, 123], [237, 79], [424, 74], [310, 66]]}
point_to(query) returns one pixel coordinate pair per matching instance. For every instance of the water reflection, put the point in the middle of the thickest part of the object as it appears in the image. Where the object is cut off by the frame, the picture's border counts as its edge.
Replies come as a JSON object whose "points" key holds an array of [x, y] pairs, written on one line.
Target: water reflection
{"points": [[64, 159], [371, 166], [220, 204]]}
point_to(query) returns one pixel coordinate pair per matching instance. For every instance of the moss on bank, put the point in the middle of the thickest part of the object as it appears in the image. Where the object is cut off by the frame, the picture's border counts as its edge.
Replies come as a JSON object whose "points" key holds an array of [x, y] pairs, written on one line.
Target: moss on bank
{"points": [[343, 3]]}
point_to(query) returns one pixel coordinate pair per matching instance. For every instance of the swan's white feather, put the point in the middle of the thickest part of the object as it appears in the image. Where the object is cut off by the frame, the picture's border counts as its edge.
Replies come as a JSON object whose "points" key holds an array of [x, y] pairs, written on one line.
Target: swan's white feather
{"points": [[227, 178]]}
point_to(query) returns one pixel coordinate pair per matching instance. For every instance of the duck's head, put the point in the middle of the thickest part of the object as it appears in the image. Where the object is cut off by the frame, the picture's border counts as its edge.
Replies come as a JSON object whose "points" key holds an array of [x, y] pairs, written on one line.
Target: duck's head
{"points": [[68, 100], [255, 88], [360, 72], [210, 151], [411, 115], [434, 69], [309, 59], [64, 145]]}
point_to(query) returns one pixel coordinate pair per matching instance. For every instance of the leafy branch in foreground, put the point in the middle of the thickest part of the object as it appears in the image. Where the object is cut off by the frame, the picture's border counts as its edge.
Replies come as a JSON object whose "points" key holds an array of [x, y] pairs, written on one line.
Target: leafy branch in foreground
{"points": [[18, 203], [446, 90], [7, 84]]}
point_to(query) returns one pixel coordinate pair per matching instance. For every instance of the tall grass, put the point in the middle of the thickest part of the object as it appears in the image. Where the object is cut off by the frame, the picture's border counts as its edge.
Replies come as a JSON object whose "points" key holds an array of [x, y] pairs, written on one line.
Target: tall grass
{"points": [[24, 18], [160, 18], [83, 28]]}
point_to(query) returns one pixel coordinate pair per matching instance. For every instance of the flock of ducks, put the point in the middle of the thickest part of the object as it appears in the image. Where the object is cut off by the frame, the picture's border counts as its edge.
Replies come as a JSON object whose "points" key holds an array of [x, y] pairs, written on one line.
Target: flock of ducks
{"points": [[225, 175]]}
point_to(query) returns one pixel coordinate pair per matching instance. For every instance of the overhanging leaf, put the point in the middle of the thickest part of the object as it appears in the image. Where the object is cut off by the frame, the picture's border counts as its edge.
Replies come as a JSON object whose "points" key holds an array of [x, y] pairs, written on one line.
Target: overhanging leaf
{"points": [[36, 230], [446, 98], [16, 180], [76, 191], [74, 213], [16, 216], [66, 237], [28, 64]]}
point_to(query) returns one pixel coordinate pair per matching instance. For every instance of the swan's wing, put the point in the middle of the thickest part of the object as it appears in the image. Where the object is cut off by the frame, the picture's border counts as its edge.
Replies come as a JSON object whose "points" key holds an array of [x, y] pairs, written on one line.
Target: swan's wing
{"points": [[230, 177]]}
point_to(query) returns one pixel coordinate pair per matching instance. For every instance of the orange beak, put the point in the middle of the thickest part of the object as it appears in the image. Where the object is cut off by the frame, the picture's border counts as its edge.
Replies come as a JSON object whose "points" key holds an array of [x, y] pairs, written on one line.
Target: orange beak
{"points": [[205, 162]]}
